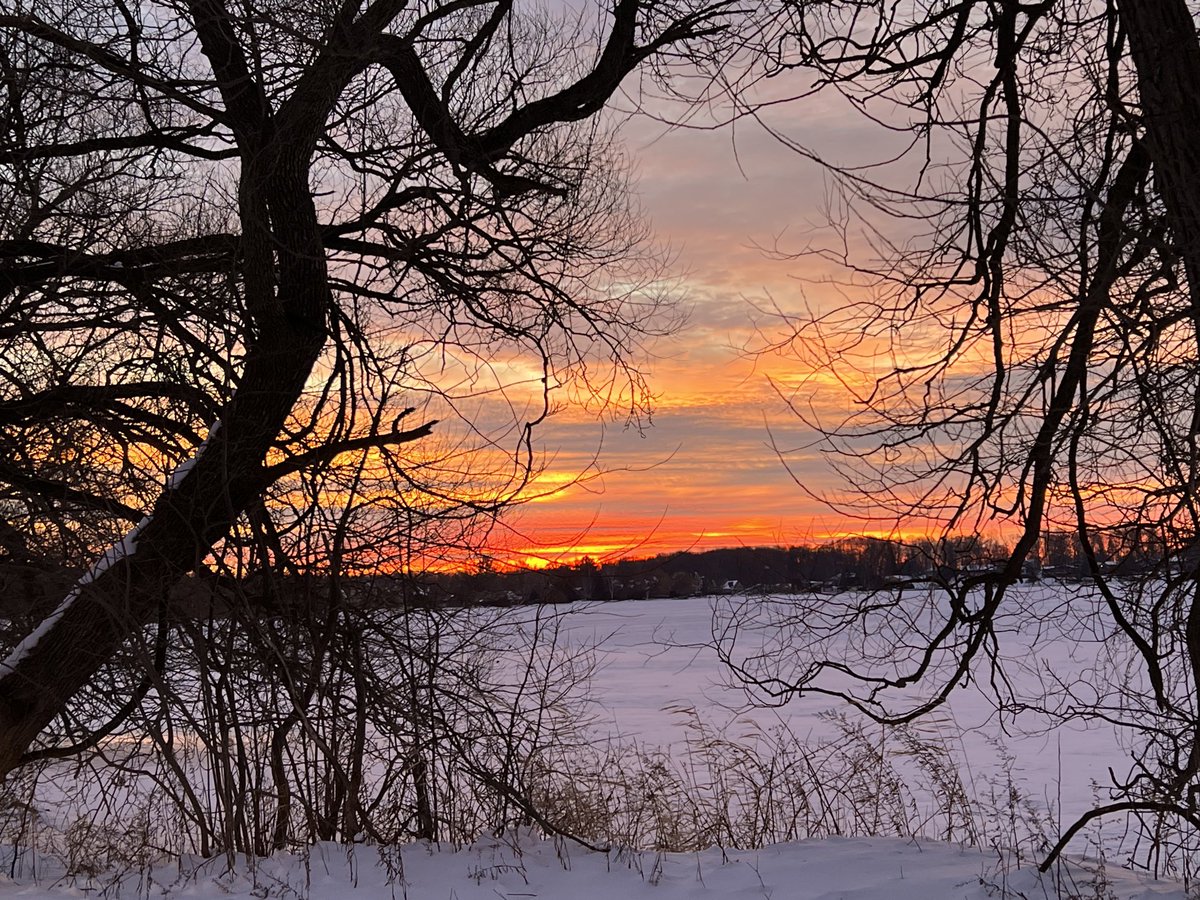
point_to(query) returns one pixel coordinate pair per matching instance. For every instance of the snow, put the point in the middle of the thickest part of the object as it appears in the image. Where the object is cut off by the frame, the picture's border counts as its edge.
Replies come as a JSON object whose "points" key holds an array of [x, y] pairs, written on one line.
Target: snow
{"points": [[127, 546], [113, 555], [656, 659], [527, 868], [31, 640], [657, 665], [186, 466], [123, 548]]}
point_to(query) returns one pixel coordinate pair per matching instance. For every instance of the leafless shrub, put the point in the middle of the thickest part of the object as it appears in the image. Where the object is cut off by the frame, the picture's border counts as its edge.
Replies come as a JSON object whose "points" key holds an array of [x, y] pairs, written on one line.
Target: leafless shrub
{"points": [[411, 723]]}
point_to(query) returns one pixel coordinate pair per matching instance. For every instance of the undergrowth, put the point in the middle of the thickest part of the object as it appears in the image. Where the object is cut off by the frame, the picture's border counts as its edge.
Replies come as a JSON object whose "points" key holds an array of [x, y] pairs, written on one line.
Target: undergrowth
{"points": [[762, 786], [743, 787]]}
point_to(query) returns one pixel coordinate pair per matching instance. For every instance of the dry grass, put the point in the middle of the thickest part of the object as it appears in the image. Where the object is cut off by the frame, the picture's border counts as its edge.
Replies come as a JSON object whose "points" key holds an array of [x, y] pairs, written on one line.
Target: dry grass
{"points": [[758, 787]]}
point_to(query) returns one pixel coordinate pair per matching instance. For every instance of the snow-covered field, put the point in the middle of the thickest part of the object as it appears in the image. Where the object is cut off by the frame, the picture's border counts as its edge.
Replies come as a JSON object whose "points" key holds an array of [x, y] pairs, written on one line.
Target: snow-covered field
{"points": [[832, 869], [655, 666], [656, 661]]}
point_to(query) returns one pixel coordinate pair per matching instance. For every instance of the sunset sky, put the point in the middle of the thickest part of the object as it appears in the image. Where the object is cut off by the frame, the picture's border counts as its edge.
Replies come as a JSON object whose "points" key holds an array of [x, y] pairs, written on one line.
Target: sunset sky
{"points": [[706, 474]]}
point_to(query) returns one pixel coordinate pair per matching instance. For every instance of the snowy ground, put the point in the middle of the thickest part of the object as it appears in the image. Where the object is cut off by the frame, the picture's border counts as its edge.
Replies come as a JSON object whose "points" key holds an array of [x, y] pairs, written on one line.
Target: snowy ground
{"points": [[833, 869], [654, 663]]}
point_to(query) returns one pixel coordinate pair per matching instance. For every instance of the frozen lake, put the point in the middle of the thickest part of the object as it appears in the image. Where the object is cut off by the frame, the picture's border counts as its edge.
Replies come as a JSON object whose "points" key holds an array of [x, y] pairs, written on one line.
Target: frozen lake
{"points": [[656, 658], [776, 772]]}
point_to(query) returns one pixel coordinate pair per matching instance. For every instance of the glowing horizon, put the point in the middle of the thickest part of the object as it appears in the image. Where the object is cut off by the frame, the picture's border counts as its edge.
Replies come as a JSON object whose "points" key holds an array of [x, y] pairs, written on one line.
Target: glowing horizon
{"points": [[708, 472]]}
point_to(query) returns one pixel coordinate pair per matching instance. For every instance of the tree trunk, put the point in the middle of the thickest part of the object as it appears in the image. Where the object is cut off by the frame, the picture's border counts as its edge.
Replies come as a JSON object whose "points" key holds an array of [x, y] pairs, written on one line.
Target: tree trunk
{"points": [[1166, 54], [288, 297], [281, 255], [98, 615]]}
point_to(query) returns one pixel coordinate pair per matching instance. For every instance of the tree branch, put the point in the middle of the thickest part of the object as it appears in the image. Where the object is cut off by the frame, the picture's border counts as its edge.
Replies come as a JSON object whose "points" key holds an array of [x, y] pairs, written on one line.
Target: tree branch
{"points": [[58, 490], [329, 452]]}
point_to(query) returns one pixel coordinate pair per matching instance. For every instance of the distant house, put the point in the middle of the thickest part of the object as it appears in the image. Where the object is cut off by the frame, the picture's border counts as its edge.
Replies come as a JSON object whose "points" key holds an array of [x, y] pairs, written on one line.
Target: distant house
{"points": [[733, 586]]}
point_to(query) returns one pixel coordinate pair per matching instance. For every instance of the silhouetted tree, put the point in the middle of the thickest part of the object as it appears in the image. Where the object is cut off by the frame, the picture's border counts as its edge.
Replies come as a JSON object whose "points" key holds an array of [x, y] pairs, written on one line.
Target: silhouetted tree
{"points": [[251, 253], [1023, 343]]}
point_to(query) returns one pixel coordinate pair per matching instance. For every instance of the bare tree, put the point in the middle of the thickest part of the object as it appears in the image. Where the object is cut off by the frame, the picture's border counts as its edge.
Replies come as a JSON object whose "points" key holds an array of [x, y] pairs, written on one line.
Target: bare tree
{"points": [[243, 245], [1021, 344]]}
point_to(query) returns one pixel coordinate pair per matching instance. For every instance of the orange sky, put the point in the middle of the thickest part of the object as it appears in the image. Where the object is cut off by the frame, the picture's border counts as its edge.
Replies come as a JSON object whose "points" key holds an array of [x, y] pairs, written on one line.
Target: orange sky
{"points": [[705, 474]]}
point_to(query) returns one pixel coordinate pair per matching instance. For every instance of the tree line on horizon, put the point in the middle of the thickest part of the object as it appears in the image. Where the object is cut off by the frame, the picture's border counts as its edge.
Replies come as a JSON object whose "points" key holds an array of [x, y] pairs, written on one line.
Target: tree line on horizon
{"points": [[866, 563]]}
